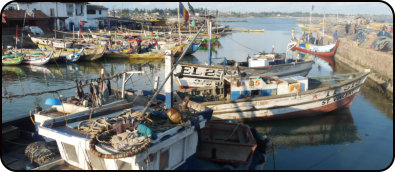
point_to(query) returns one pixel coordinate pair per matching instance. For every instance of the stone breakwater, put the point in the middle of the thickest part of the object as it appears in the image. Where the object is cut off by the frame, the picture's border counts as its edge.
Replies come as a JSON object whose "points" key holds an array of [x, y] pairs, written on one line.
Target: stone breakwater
{"points": [[360, 57]]}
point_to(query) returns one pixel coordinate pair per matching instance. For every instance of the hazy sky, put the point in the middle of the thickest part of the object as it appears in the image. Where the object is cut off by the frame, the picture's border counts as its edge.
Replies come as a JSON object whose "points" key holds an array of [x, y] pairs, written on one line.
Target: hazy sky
{"points": [[379, 8]]}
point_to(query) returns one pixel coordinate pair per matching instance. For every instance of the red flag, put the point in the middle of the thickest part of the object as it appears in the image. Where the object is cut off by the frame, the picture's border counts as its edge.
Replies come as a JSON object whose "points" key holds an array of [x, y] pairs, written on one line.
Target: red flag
{"points": [[82, 23], [16, 39], [186, 15]]}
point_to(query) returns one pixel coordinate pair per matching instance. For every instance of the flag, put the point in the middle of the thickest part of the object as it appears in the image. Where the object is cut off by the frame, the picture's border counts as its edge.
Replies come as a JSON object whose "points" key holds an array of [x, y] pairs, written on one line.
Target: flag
{"points": [[183, 12], [82, 23], [191, 9], [29, 12], [16, 36]]}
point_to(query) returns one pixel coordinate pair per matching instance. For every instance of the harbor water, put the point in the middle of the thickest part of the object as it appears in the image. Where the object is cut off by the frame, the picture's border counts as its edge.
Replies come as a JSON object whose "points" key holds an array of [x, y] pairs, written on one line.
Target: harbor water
{"points": [[355, 138]]}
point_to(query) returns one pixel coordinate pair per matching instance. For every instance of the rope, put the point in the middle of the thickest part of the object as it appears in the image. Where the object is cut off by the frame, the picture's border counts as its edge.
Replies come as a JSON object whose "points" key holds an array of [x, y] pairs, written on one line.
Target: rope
{"points": [[243, 45]]}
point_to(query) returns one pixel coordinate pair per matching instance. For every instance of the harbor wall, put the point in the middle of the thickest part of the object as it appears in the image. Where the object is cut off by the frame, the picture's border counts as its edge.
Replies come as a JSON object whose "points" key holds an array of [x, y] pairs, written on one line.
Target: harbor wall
{"points": [[360, 58]]}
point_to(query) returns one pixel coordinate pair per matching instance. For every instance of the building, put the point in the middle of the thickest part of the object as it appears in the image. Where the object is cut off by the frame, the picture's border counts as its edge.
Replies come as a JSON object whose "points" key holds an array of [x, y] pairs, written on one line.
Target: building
{"points": [[15, 18], [95, 15], [64, 15]]}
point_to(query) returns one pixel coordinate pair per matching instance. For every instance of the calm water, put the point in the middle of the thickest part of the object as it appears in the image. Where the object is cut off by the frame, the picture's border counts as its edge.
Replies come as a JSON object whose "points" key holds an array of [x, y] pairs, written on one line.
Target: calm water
{"points": [[359, 137]]}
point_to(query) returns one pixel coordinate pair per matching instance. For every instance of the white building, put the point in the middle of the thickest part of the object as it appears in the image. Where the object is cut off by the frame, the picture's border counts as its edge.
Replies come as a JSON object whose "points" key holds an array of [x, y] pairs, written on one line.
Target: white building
{"points": [[66, 14], [94, 14]]}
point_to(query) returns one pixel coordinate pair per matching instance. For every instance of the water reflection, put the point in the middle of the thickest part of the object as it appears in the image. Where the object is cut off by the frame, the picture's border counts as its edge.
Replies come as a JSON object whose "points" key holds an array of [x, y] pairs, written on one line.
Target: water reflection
{"points": [[373, 92], [336, 127]]}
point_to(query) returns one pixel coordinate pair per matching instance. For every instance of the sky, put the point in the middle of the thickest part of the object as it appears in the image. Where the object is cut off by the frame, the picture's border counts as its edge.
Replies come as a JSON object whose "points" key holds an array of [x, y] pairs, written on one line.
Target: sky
{"points": [[377, 8]]}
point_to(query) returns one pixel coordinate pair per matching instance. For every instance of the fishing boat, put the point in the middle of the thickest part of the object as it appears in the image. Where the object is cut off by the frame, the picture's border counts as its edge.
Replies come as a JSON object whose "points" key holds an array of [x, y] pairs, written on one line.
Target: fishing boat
{"points": [[194, 47], [91, 54], [232, 145], [52, 43], [36, 58], [254, 97], [71, 56], [321, 51], [85, 149], [127, 53], [220, 137], [12, 59], [195, 76], [205, 42]]}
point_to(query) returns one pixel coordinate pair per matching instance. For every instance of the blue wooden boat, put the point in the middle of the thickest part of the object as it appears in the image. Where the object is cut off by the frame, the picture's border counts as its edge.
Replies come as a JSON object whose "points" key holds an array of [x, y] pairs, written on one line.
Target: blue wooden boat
{"points": [[71, 58]]}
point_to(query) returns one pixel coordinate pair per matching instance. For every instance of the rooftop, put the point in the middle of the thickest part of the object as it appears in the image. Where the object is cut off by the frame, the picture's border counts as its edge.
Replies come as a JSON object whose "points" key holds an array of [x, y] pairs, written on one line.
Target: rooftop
{"points": [[92, 7], [20, 14]]}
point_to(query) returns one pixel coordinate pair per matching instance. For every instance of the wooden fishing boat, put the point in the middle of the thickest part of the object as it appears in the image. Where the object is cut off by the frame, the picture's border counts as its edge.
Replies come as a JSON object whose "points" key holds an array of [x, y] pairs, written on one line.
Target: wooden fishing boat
{"points": [[125, 53], [72, 56], [91, 54], [195, 76], [37, 58], [192, 49], [53, 43], [253, 98], [221, 141], [205, 42], [12, 59], [321, 51]]}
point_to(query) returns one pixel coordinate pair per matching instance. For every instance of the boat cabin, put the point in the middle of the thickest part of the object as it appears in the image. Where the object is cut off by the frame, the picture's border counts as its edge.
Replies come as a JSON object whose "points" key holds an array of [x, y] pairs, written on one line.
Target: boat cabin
{"points": [[257, 87]]}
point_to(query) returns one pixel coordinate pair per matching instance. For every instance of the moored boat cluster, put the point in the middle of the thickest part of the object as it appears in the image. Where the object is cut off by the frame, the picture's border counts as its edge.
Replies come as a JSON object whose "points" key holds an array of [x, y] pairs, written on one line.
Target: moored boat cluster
{"points": [[112, 129]]}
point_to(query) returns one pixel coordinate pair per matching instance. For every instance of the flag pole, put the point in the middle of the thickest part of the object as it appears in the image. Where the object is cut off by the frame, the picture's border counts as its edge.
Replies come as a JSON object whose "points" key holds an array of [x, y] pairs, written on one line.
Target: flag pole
{"points": [[16, 40], [179, 29], [23, 27]]}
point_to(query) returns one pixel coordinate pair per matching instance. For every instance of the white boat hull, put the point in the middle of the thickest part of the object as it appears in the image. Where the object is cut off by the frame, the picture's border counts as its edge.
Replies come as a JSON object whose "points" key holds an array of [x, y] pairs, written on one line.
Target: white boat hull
{"points": [[289, 105], [74, 149]]}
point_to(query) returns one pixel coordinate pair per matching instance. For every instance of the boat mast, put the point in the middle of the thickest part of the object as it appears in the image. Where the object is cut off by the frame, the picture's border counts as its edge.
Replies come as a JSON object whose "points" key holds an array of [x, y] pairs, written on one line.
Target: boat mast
{"points": [[171, 72], [209, 43], [311, 11], [323, 28], [179, 25]]}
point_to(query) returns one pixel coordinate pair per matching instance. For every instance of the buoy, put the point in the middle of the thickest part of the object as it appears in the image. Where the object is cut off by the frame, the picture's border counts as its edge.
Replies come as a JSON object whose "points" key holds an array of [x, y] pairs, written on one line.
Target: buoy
{"points": [[173, 115]]}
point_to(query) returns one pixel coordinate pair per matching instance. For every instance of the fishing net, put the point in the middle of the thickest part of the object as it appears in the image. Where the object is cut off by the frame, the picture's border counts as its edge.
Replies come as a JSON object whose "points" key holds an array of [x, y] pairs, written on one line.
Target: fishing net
{"points": [[383, 43]]}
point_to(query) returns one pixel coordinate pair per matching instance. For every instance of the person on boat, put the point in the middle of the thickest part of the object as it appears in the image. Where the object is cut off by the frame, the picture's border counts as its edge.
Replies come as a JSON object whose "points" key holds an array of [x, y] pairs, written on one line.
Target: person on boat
{"points": [[335, 36], [125, 44], [138, 46], [311, 38], [347, 27], [156, 44]]}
